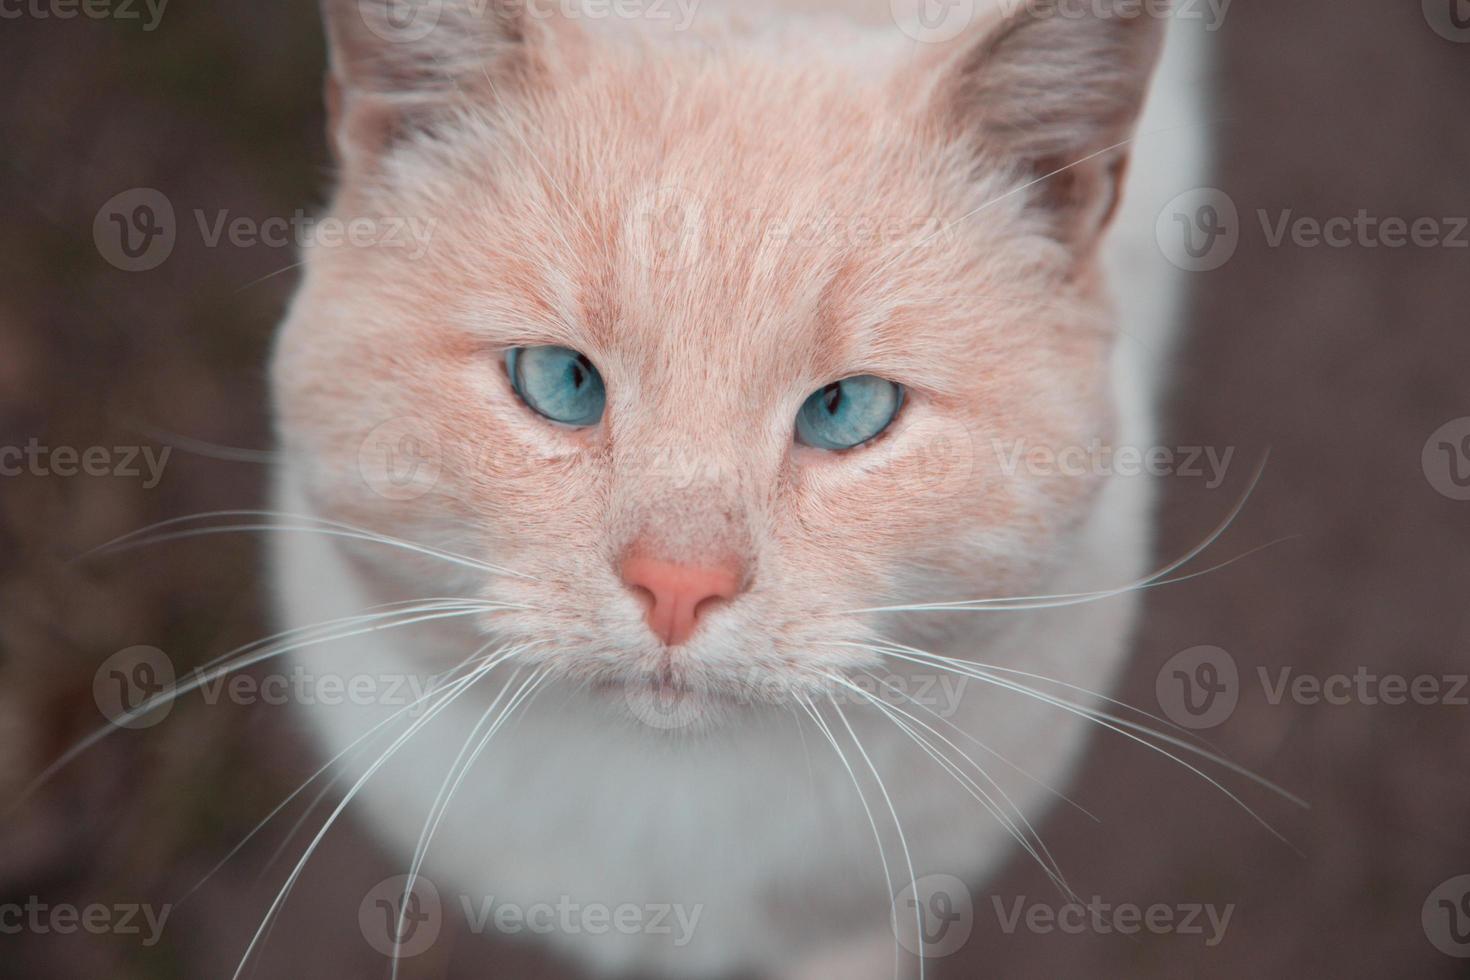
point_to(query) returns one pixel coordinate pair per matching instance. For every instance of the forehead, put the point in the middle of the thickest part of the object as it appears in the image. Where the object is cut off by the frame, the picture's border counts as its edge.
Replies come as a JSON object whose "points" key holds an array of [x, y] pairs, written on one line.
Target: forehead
{"points": [[760, 219]]}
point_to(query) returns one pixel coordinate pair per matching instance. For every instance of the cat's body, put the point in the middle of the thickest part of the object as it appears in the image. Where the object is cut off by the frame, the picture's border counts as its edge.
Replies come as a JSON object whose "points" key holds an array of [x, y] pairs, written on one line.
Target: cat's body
{"points": [[737, 815]]}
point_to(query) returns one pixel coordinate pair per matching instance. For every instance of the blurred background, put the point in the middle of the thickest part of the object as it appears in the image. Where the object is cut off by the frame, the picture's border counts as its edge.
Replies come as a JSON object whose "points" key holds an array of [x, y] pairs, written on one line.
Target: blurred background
{"points": [[1349, 363]]}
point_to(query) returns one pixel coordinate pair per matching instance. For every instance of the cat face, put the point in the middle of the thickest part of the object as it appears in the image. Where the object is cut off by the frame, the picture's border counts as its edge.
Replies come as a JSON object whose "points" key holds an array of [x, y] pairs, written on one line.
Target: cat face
{"points": [[715, 228]]}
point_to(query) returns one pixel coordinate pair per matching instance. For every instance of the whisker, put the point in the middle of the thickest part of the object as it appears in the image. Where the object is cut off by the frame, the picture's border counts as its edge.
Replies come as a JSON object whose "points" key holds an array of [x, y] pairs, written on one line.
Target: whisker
{"points": [[1121, 727], [453, 693], [203, 677], [330, 528], [1043, 857], [811, 710], [1202, 752], [1156, 579], [210, 450], [350, 749], [447, 792], [988, 749], [897, 824]]}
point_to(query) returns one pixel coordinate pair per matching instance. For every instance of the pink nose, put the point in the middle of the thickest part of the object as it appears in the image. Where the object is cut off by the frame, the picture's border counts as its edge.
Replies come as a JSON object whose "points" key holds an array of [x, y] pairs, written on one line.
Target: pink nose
{"points": [[677, 594]]}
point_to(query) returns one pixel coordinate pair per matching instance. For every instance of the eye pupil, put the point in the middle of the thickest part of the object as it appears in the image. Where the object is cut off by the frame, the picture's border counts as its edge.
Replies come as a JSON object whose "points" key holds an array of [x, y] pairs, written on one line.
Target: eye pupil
{"points": [[848, 413], [558, 383], [832, 397]]}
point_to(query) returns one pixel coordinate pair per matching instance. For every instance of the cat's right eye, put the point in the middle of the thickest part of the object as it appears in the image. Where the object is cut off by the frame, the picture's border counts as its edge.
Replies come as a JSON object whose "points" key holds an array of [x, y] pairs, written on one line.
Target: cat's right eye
{"points": [[557, 383]]}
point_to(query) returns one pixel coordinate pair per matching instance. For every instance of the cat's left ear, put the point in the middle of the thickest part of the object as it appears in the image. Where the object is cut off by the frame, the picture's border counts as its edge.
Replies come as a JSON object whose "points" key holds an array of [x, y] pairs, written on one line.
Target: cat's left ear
{"points": [[396, 66], [1053, 96]]}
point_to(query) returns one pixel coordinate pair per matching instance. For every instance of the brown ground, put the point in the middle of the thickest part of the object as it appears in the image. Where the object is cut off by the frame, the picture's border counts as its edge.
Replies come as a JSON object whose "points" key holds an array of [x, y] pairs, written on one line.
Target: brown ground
{"points": [[1342, 362]]}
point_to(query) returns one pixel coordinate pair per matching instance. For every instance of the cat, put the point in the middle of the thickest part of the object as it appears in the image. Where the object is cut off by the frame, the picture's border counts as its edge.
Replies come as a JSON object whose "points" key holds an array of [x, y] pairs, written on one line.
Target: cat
{"points": [[705, 379]]}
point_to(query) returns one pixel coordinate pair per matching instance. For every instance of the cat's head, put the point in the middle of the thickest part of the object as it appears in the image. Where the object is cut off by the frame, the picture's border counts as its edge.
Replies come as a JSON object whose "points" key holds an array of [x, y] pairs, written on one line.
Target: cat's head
{"points": [[712, 340]]}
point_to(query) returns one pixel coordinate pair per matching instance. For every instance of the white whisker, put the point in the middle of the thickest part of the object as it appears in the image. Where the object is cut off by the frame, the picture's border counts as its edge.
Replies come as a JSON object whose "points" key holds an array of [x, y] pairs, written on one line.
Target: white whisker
{"points": [[450, 695], [1122, 727], [1155, 580], [463, 765], [1038, 851], [822, 726], [328, 528], [203, 677], [897, 825]]}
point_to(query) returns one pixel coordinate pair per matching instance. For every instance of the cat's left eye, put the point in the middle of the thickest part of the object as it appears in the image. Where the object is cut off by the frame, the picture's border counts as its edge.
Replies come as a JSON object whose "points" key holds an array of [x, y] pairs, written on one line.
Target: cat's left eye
{"points": [[848, 413], [558, 383]]}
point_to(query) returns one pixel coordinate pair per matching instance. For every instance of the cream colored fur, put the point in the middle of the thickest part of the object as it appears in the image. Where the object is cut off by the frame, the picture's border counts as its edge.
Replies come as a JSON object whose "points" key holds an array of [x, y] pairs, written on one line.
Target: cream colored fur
{"points": [[532, 176]]}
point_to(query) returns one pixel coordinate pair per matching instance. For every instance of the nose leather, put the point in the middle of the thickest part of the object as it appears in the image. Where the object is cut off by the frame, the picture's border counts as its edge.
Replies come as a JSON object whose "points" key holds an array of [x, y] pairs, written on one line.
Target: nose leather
{"points": [[676, 595]]}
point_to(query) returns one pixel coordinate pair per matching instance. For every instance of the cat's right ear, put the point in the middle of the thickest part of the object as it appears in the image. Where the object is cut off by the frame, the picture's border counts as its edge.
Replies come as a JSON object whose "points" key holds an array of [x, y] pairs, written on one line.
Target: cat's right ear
{"points": [[395, 66], [1052, 95]]}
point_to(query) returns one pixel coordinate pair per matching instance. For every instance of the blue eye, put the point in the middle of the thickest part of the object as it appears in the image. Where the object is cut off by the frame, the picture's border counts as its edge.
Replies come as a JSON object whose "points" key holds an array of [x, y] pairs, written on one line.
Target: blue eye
{"points": [[848, 413], [558, 383]]}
